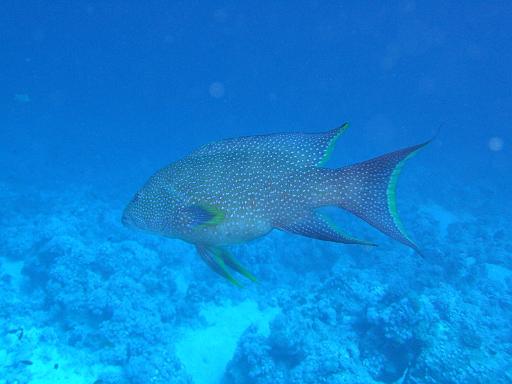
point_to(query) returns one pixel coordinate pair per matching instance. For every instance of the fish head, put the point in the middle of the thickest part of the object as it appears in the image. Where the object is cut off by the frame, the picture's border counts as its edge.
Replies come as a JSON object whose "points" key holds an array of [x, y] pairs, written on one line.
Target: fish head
{"points": [[154, 208]]}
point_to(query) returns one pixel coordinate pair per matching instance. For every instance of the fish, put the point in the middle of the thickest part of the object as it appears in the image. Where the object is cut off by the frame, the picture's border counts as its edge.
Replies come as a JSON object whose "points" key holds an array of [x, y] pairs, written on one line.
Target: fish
{"points": [[17, 331], [236, 190], [20, 362]]}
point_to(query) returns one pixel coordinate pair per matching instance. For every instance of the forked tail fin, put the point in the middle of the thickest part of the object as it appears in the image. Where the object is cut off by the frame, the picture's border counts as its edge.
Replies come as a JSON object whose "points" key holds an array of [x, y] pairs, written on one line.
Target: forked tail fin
{"points": [[368, 189]]}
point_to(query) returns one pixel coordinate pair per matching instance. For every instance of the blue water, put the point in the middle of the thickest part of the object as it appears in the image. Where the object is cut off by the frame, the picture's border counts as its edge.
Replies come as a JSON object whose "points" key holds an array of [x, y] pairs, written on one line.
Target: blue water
{"points": [[96, 96]]}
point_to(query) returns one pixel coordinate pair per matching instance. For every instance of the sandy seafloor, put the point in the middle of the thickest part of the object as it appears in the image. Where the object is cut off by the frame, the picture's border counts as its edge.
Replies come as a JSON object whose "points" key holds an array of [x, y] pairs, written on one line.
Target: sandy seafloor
{"points": [[86, 301]]}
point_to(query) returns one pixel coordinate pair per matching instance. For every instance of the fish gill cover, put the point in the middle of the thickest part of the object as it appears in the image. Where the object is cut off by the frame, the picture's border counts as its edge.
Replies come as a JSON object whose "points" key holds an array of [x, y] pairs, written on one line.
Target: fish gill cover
{"points": [[97, 97]]}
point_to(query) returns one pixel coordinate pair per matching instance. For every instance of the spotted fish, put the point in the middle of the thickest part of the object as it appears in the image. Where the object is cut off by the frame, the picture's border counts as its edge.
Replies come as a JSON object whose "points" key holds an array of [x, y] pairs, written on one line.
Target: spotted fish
{"points": [[236, 190]]}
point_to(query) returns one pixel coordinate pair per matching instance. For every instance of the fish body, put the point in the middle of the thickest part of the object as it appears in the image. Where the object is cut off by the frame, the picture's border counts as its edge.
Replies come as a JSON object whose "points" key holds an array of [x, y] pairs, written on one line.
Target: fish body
{"points": [[236, 190]]}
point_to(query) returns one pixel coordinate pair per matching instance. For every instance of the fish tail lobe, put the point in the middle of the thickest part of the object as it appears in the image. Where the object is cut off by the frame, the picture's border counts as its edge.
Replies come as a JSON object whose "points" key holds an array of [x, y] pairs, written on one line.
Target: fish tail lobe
{"points": [[368, 190]]}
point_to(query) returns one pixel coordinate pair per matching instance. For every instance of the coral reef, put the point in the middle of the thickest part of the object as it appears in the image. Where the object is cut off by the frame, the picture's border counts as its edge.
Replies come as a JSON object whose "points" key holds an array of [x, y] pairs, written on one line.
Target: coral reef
{"points": [[85, 301]]}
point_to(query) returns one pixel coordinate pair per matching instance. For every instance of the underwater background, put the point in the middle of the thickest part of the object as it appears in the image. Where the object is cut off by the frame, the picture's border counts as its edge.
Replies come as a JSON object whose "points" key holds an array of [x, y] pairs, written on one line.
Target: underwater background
{"points": [[96, 96]]}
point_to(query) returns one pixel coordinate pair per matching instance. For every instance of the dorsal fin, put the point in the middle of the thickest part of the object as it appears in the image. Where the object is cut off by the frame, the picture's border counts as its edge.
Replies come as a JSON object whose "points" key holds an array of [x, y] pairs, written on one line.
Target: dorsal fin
{"points": [[332, 137], [304, 149]]}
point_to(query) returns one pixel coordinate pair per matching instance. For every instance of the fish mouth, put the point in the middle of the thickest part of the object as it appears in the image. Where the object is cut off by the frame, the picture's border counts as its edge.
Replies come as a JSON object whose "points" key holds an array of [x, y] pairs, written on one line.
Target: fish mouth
{"points": [[127, 220], [133, 222]]}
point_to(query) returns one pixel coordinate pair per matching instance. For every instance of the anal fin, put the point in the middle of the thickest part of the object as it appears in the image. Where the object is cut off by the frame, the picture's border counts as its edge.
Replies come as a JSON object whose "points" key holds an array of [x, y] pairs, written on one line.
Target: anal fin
{"points": [[318, 226]]}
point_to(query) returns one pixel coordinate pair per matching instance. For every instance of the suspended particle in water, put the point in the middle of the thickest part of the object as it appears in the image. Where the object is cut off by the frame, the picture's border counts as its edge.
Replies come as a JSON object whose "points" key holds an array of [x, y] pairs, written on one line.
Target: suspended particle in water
{"points": [[495, 144], [220, 15], [216, 89], [89, 9], [22, 98]]}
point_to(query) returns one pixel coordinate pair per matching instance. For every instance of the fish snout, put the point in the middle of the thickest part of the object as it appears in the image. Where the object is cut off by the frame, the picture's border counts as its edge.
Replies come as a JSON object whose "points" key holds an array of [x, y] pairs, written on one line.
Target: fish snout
{"points": [[127, 220], [133, 219]]}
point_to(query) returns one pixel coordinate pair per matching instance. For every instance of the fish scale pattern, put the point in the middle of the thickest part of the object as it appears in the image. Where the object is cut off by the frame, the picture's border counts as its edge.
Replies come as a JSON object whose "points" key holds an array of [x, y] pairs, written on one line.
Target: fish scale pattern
{"points": [[253, 181], [237, 190]]}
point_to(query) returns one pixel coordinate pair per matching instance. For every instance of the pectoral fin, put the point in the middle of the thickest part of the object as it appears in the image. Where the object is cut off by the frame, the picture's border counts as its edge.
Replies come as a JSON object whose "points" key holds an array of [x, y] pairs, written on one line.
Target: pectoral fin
{"points": [[219, 260], [318, 226], [202, 215]]}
